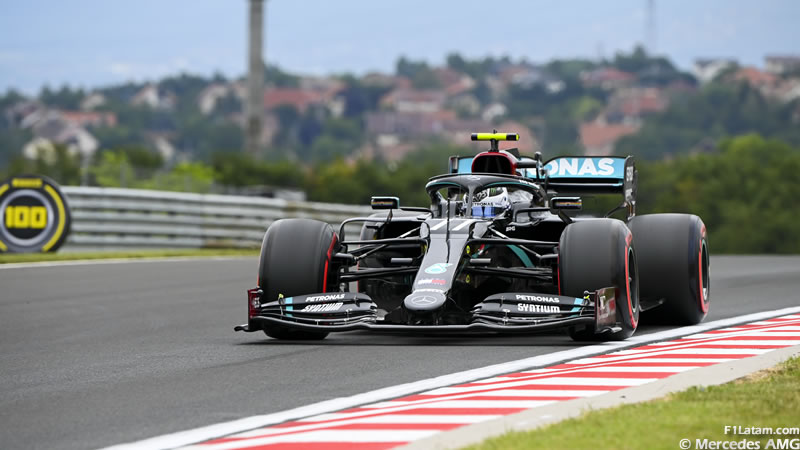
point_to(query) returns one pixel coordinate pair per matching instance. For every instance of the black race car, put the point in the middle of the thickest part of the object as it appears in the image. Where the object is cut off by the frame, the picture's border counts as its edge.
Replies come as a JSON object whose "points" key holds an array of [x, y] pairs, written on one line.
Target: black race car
{"points": [[502, 248]]}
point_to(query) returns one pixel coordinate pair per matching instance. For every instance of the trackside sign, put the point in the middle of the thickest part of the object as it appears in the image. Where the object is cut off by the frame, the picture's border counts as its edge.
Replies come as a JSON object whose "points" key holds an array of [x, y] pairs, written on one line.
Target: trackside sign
{"points": [[34, 215]]}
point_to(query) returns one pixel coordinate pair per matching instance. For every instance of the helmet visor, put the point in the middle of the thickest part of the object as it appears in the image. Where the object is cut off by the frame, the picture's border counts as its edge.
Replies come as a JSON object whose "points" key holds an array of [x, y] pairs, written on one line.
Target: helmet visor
{"points": [[486, 211]]}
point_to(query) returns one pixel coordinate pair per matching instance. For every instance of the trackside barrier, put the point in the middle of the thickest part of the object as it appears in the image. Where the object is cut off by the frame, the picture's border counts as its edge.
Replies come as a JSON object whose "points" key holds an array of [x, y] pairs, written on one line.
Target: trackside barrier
{"points": [[137, 218]]}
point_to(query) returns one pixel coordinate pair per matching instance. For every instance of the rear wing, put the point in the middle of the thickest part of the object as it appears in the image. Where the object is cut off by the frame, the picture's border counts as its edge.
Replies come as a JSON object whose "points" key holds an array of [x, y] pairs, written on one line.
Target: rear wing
{"points": [[575, 175], [592, 175]]}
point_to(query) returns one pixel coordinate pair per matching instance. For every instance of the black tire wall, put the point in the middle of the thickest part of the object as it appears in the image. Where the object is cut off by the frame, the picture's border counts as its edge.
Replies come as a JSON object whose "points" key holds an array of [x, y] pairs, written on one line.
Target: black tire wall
{"points": [[595, 254], [673, 256], [296, 260]]}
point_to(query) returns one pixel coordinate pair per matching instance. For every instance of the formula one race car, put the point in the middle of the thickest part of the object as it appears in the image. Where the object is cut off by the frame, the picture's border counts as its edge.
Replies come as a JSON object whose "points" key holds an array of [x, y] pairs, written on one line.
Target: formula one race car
{"points": [[502, 248]]}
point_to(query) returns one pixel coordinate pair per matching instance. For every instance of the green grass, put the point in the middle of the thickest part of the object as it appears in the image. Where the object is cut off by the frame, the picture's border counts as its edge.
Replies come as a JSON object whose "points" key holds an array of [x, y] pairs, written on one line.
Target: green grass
{"points": [[6, 258], [769, 398]]}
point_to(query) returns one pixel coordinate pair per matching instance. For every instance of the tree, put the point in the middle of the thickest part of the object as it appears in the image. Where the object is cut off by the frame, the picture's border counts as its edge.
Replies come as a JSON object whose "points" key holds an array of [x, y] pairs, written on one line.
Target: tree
{"points": [[650, 70], [360, 98], [720, 110], [113, 170], [570, 69], [141, 157], [274, 76], [421, 76], [743, 193], [54, 161], [184, 177], [478, 69], [326, 148], [337, 182], [8, 99], [120, 136], [482, 92], [64, 98], [12, 140], [239, 169]]}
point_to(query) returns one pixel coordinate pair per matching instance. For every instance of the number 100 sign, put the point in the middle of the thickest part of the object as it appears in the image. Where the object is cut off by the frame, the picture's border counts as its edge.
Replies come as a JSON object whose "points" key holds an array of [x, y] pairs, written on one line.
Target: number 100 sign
{"points": [[34, 215]]}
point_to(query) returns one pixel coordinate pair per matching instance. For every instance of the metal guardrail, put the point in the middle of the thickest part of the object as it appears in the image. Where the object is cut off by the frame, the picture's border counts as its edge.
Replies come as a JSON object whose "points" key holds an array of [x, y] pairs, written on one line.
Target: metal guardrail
{"points": [[126, 218]]}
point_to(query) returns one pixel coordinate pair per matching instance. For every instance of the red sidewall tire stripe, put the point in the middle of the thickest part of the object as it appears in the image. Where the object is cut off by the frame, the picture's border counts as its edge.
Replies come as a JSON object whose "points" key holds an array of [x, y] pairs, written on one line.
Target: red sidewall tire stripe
{"points": [[701, 297], [558, 271], [327, 264], [631, 311]]}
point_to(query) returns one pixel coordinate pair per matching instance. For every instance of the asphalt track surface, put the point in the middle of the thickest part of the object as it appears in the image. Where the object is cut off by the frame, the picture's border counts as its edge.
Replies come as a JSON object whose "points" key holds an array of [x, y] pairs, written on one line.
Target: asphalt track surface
{"points": [[101, 354]]}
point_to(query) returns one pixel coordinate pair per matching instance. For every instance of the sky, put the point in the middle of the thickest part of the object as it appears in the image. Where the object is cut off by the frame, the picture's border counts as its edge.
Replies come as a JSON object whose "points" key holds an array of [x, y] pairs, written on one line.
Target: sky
{"points": [[92, 43]]}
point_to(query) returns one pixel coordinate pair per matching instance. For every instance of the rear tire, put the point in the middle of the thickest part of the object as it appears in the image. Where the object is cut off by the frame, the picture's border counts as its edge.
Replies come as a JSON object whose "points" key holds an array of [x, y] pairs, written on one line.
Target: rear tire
{"points": [[595, 254], [295, 260], [673, 265]]}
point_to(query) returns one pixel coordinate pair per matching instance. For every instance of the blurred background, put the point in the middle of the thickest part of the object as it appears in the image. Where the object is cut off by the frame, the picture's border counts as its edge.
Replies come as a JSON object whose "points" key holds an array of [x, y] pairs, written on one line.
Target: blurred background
{"points": [[337, 101]]}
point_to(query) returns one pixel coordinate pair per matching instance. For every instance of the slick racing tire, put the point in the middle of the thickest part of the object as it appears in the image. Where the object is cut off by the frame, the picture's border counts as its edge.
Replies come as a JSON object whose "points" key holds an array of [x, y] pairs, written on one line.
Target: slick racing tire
{"points": [[673, 258], [296, 260], [595, 254]]}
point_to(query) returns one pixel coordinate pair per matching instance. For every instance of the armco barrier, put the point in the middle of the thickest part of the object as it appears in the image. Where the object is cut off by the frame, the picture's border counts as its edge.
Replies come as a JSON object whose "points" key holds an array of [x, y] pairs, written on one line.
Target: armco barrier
{"points": [[136, 218]]}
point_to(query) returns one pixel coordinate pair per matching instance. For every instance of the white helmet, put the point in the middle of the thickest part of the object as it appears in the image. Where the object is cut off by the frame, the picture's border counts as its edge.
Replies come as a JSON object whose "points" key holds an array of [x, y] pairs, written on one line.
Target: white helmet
{"points": [[490, 202]]}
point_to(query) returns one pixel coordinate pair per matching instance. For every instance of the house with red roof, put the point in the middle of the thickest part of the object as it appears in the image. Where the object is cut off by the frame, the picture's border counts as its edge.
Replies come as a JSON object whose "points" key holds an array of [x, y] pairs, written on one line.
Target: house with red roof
{"points": [[599, 137], [90, 119], [414, 100], [607, 78], [300, 99], [630, 104], [756, 78]]}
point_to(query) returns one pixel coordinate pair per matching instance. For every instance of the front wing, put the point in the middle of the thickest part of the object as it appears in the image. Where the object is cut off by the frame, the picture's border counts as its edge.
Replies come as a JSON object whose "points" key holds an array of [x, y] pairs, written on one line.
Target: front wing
{"points": [[510, 312]]}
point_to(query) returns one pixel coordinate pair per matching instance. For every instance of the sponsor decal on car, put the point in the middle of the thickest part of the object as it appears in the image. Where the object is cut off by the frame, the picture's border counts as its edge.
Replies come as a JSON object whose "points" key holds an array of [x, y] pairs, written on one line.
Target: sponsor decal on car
{"points": [[326, 307], [538, 298], [422, 300], [438, 268], [527, 307], [438, 291], [586, 167], [605, 307], [324, 298], [432, 281]]}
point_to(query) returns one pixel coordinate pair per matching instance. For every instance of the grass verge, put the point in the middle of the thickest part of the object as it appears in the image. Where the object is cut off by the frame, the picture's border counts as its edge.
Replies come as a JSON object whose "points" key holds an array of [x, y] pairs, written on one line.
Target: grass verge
{"points": [[6, 258], [770, 398]]}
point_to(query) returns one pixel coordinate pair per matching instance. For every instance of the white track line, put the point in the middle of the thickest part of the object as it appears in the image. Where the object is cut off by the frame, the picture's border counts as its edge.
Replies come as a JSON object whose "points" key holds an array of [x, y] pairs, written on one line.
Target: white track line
{"points": [[184, 438], [632, 369], [90, 262], [387, 435], [659, 359], [535, 393]]}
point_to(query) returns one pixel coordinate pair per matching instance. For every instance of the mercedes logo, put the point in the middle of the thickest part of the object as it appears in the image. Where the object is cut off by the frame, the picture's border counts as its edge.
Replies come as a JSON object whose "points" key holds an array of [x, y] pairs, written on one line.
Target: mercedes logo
{"points": [[423, 300]]}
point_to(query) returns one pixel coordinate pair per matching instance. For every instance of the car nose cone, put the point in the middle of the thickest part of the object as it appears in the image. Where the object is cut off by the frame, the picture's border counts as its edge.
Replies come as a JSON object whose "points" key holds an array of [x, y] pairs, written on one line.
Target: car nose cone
{"points": [[424, 300]]}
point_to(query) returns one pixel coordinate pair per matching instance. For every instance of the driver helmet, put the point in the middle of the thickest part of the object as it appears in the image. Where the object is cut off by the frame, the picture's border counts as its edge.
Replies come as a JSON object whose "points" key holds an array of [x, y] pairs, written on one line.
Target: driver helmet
{"points": [[490, 202]]}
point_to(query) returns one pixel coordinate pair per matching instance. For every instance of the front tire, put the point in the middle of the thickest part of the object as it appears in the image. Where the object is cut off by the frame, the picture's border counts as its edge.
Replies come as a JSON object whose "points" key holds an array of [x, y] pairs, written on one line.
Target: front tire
{"points": [[595, 254], [296, 260]]}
